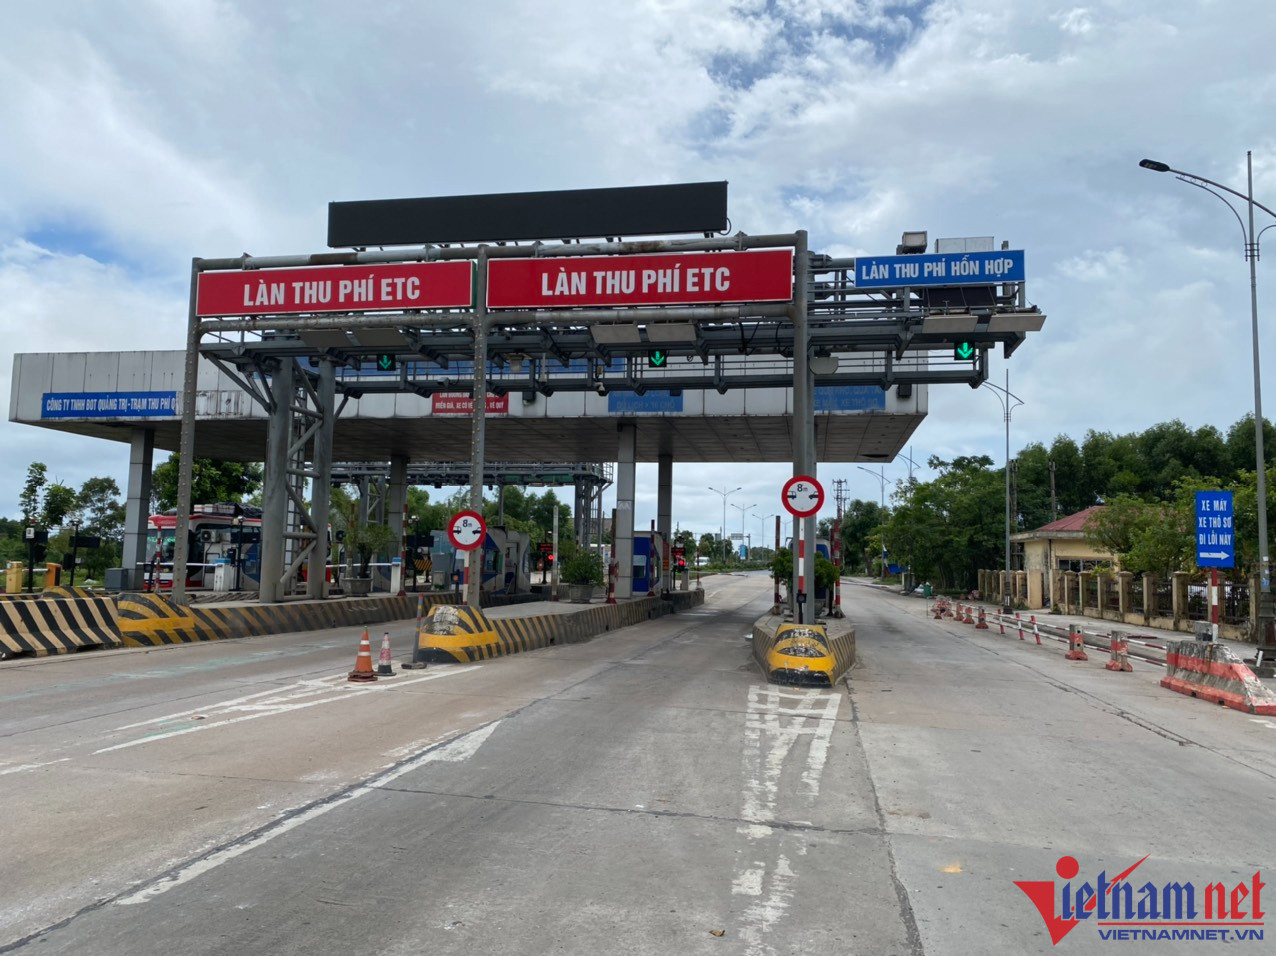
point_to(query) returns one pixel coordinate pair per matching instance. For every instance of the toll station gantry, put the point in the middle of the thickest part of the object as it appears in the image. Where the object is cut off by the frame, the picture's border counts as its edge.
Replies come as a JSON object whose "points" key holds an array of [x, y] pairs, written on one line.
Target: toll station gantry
{"points": [[687, 344]]}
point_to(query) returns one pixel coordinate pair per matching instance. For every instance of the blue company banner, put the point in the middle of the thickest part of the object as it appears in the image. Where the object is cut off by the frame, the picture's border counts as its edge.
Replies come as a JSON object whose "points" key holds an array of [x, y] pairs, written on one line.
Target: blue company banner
{"points": [[849, 398], [630, 403], [108, 405], [947, 268], [1215, 541]]}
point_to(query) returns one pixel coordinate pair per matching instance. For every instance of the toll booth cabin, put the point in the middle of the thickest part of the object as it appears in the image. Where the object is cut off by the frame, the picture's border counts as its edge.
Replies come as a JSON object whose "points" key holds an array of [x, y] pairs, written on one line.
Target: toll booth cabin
{"points": [[506, 562], [648, 564]]}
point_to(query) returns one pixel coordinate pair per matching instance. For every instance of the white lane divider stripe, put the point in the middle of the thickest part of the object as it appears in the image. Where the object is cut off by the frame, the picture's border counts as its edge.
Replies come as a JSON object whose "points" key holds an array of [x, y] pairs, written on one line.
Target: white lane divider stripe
{"points": [[301, 688], [31, 766], [457, 751], [284, 704]]}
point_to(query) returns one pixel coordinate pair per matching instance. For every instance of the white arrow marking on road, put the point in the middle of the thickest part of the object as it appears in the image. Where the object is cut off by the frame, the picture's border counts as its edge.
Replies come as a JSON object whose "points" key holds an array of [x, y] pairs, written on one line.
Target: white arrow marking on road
{"points": [[458, 750]]}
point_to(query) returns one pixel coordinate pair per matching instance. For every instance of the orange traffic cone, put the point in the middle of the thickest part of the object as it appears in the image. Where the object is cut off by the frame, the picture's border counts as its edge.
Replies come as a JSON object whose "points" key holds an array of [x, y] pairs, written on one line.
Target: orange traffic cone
{"points": [[362, 672], [384, 667]]}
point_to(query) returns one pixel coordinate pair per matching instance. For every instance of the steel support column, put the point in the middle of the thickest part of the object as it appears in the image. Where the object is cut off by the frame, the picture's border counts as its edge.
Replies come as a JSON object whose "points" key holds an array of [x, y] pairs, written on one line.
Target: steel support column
{"points": [[274, 494], [186, 446], [321, 484], [803, 420], [137, 505], [398, 498], [622, 547], [478, 424], [582, 512], [664, 513]]}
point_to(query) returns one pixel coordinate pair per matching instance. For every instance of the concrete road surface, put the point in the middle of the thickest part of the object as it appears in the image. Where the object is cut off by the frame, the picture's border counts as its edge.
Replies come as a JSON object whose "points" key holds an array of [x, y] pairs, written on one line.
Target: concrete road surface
{"points": [[642, 793]]}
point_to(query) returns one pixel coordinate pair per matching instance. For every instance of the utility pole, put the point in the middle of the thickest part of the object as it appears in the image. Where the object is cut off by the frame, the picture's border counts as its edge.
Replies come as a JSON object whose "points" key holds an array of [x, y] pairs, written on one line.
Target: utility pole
{"points": [[1054, 504]]}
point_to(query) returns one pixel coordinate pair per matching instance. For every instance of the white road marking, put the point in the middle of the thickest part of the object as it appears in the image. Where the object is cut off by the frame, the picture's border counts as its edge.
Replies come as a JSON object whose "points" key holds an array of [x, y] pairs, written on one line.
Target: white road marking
{"points": [[286, 701], [303, 688], [775, 721], [458, 750], [749, 882], [1265, 723], [31, 766], [762, 914]]}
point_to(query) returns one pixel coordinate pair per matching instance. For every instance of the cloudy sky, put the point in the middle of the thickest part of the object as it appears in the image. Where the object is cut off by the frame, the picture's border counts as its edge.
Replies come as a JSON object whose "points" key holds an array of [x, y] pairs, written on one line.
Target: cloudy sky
{"points": [[139, 134]]}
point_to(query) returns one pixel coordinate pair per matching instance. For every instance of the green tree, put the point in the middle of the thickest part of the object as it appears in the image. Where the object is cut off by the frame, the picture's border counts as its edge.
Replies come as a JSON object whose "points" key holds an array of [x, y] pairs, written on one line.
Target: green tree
{"points": [[1114, 527], [948, 528], [1033, 488], [212, 480], [99, 510], [1241, 452], [1071, 493], [32, 492], [1153, 537], [781, 566], [59, 501], [859, 520], [709, 547]]}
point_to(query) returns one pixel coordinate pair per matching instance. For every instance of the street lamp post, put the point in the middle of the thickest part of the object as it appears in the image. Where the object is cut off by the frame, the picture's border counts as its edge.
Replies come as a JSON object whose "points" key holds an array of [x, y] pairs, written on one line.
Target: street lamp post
{"points": [[882, 479], [1265, 659], [743, 511], [908, 458], [725, 496], [1005, 396]]}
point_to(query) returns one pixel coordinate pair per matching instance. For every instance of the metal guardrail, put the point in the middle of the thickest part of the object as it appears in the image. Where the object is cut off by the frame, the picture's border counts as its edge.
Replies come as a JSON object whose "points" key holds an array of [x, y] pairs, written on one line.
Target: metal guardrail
{"points": [[1144, 647]]}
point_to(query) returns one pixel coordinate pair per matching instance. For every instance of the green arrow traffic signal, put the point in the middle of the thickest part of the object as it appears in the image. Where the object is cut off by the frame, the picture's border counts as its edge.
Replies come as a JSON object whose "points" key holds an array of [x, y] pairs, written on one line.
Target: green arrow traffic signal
{"points": [[386, 362], [658, 359], [964, 351]]}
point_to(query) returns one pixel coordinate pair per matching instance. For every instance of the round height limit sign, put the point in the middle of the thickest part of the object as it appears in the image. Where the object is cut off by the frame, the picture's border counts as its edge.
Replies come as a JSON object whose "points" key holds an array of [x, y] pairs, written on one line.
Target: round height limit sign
{"points": [[466, 530], [802, 496]]}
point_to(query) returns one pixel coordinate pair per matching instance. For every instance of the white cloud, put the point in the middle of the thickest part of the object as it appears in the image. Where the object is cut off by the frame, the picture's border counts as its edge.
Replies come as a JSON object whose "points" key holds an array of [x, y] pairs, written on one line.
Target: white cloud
{"points": [[1077, 20]]}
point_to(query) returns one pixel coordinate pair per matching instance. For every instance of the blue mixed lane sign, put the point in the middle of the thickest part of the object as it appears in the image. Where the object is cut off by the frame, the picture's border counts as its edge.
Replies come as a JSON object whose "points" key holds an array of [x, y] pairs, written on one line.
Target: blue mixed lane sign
{"points": [[1215, 540], [948, 268]]}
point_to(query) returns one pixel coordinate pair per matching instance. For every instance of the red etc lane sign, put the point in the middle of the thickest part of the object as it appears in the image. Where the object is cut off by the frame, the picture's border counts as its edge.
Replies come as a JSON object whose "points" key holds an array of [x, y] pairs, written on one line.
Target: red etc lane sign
{"points": [[685, 278], [409, 285]]}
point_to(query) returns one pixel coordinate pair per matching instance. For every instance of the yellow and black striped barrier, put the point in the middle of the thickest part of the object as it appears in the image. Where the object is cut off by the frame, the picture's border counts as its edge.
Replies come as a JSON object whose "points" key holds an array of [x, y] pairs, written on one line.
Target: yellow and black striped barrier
{"points": [[803, 654], [451, 635], [58, 622], [150, 620]]}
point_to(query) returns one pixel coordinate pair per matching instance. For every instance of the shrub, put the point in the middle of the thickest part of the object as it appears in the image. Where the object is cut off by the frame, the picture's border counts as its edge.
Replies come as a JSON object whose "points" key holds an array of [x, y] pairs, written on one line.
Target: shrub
{"points": [[583, 567]]}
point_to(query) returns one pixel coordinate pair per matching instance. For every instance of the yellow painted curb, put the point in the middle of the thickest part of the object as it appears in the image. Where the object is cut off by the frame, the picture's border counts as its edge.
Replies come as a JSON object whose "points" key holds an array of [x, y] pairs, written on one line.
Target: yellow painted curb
{"points": [[803, 654], [452, 635]]}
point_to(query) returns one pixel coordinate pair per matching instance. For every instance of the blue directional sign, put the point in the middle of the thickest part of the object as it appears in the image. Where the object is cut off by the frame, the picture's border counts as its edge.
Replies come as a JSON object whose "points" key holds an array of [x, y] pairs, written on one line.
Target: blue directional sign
{"points": [[1215, 541], [948, 268]]}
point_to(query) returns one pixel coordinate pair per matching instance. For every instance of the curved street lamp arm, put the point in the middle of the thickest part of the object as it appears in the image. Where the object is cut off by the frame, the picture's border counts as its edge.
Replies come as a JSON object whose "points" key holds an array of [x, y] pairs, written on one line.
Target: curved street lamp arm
{"points": [[1223, 199], [1003, 395], [1196, 180]]}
